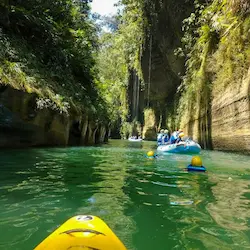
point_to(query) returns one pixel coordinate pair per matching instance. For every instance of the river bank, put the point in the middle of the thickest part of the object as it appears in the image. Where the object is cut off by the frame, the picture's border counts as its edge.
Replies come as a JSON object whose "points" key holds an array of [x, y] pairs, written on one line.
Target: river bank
{"points": [[23, 124]]}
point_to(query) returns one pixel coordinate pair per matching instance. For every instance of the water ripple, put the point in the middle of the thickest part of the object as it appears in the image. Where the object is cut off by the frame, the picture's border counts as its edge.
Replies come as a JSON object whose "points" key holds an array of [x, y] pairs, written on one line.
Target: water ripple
{"points": [[41, 188], [164, 184]]}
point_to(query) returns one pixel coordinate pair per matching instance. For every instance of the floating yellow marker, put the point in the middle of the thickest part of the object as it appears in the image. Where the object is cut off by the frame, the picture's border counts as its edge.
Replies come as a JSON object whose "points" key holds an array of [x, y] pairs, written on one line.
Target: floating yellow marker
{"points": [[82, 232], [150, 153], [196, 161], [196, 165]]}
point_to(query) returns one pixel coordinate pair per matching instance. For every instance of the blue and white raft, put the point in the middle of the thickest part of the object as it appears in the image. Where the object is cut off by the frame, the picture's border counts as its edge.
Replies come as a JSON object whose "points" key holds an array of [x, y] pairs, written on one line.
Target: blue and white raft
{"points": [[135, 139], [188, 147]]}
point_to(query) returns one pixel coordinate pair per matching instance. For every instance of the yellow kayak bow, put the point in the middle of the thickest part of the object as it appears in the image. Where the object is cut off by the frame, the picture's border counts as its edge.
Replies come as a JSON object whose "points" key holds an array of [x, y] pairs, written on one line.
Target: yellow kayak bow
{"points": [[83, 232]]}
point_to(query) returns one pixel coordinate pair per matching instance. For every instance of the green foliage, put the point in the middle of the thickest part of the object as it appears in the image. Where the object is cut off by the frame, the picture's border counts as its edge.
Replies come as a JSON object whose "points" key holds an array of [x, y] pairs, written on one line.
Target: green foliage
{"points": [[231, 61], [130, 129], [50, 49], [120, 51], [131, 32], [217, 48], [126, 130], [195, 41], [113, 75]]}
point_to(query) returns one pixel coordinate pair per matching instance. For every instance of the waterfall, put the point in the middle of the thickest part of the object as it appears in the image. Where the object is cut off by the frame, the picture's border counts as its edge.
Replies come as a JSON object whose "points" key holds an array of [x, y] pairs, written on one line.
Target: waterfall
{"points": [[134, 94], [137, 98], [138, 88], [149, 67]]}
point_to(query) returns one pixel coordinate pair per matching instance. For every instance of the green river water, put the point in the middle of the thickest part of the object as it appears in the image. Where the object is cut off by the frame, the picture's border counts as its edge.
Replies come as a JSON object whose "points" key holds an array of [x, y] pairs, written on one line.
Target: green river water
{"points": [[149, 204]]}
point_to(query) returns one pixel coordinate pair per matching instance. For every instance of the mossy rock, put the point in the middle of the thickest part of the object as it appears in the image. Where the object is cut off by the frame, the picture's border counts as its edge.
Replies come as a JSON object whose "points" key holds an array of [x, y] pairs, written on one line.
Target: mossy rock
{"points": [[150, 134]]}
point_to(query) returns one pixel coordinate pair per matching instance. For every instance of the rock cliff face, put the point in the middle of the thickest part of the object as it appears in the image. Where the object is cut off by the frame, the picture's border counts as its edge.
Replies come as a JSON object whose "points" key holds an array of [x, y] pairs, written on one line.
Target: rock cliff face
{"points": [[164, 37], [218, 116], [21, 124], [216, 119], [231, 118], [226, 125], [161, 68]]}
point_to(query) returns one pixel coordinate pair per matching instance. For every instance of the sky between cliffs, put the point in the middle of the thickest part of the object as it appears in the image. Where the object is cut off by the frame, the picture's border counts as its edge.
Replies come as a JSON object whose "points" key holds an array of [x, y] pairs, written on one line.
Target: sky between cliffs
{"points": [[104, 7]]}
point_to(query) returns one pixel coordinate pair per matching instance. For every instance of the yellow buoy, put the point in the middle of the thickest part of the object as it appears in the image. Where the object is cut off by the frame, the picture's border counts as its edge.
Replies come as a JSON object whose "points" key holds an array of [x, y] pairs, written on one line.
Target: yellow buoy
{"points": [[196, 161], [150, 153], [82, 232]]}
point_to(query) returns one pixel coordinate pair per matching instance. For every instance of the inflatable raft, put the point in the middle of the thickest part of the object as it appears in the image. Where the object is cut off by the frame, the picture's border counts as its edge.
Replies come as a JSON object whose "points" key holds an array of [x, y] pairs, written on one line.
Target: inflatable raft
{"points": [[189, 146], [134, 140], [82, 232]]}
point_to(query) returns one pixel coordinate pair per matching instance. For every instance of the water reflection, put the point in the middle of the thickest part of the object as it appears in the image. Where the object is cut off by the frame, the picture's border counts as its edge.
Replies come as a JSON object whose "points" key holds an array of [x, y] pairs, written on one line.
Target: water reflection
{"points": [[109, 201], [221, 217], [150, 204], [153, 192], [42, 188], [231, 209]]}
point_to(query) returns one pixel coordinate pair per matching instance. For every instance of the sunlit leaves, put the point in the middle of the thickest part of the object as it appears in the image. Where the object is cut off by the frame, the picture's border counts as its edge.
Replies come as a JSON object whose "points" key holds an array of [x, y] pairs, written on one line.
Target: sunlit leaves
{"points": [[120, 50], [62, 40]]}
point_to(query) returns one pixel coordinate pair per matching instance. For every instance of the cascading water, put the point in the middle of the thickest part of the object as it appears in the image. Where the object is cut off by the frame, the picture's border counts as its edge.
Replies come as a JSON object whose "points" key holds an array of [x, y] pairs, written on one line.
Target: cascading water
{"points": [[135, 95], [137, 98], [149, 67]]}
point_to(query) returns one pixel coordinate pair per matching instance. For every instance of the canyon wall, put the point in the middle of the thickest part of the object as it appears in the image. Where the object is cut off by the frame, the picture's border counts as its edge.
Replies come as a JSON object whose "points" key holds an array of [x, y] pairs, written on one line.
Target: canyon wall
{"points": [[23, 125], [213, 107]]}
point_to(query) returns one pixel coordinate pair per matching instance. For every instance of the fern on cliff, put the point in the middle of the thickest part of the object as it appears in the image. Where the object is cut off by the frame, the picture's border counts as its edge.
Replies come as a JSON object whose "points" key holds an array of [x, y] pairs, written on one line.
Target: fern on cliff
{"points": [[219, 54], [50, 49]]}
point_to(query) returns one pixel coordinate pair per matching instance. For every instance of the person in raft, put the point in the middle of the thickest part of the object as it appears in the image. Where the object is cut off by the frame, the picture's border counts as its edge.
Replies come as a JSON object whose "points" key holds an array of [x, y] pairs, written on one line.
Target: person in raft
{"points": [[180, 137], [173, 137], [159, 137], [165, 137]]}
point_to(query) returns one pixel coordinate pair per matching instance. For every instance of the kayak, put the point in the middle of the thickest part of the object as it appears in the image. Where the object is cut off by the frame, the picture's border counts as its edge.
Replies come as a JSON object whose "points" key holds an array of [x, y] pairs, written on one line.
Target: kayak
{"points": [[134, 140], [182, 147], [82, 232]]}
